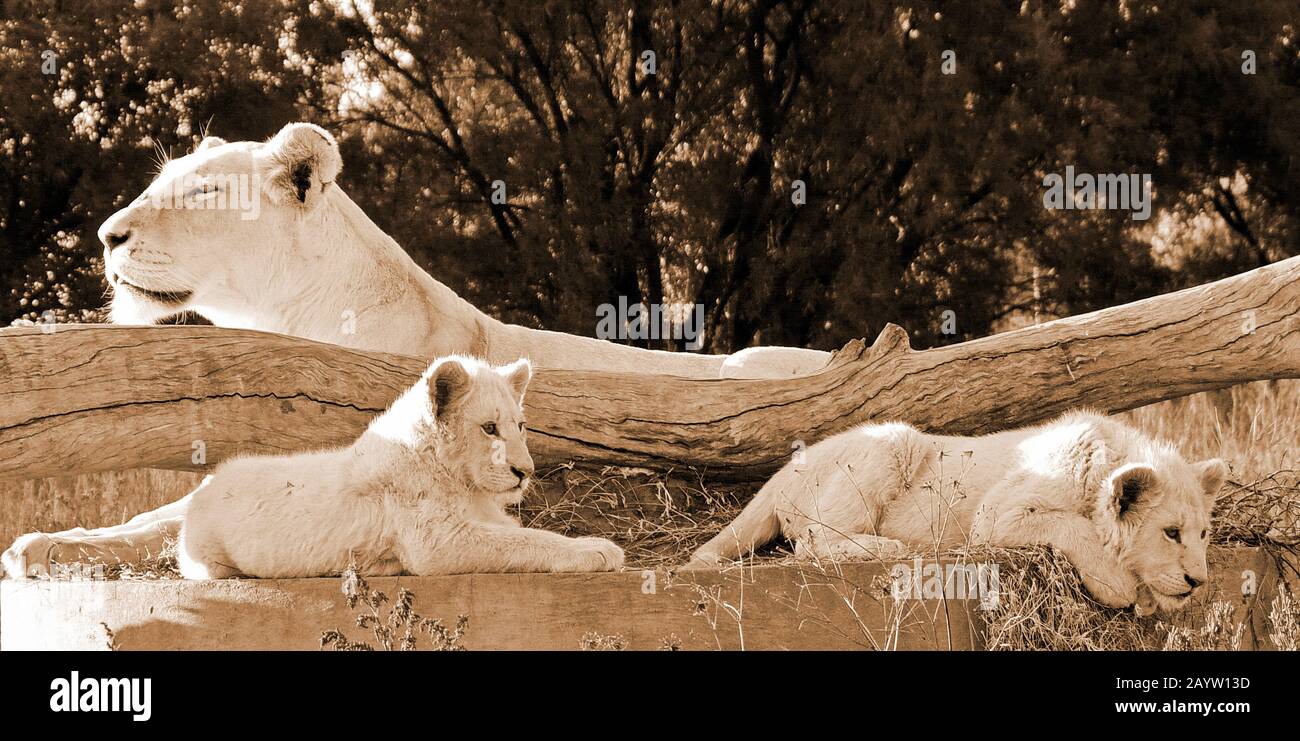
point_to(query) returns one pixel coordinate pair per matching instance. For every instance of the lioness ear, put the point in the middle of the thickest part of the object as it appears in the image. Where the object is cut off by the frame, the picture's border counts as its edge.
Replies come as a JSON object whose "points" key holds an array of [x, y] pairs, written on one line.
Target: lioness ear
{"points": [[518, 374], [305, 161], [448, 385], [1131, 487], [1213, 472], [209, 142]]}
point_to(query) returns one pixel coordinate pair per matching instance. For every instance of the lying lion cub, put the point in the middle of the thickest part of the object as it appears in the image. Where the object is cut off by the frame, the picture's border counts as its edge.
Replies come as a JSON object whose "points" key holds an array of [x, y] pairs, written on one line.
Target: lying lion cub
{"points": [[1126, 510], [422, 491]]}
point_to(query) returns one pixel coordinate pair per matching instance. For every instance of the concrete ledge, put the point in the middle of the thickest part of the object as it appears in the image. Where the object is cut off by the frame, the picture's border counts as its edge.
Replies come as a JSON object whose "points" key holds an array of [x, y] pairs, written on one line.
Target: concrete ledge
{"points": [[764, 607]]}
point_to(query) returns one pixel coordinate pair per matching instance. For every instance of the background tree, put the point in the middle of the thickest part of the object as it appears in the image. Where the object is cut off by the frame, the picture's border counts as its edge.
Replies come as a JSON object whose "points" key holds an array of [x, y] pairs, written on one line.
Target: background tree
{"points": [[921, 132], [95, 95]]}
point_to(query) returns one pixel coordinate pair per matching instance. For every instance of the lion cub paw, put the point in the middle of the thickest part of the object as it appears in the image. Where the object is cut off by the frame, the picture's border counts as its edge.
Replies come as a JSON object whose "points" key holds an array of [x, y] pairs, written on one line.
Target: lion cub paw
{"points": [[1117, 592], [29, 555], [1146, 602], [873, 547], [701, 560], [596, 554]]}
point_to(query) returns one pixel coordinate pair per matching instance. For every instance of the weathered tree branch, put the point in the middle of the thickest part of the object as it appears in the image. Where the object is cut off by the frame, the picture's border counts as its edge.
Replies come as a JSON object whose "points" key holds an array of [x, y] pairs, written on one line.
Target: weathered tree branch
{"points": [[96, 397]]}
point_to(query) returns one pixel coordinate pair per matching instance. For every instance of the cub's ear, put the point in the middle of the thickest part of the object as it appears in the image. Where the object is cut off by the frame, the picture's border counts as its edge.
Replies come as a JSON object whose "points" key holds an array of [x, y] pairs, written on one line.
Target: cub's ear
{"points": [[448, 385], [1129, 489], [305, 161], [209, 142], [517, 374], [1212, 472]]}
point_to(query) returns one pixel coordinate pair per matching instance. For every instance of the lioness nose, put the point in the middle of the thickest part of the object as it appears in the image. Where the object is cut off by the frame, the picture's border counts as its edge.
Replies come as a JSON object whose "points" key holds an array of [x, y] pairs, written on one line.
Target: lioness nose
{"points": [[522, 473], [116, 229], [1192, 581], [114, 239]]}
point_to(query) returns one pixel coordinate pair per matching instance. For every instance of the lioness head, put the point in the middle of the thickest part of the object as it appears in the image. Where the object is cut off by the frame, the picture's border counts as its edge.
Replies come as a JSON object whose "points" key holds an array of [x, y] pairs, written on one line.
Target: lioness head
{"points": [[200, 237], [479, 413], [1158, 517]]}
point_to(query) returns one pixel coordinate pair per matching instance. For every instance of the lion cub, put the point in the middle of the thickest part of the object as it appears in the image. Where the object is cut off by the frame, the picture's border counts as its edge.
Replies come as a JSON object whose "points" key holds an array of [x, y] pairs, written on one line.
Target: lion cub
{"points": [[1127, 510], [423, 491]]}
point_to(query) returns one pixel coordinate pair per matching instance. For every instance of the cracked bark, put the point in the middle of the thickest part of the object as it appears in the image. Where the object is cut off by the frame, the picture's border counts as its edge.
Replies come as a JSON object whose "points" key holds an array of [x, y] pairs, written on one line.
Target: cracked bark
{"points": [[97, 397]]}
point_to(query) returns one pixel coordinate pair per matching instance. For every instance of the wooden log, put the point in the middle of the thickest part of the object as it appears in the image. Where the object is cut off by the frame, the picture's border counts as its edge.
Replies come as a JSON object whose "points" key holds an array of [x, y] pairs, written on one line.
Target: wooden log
{"points": [[96, 397]]}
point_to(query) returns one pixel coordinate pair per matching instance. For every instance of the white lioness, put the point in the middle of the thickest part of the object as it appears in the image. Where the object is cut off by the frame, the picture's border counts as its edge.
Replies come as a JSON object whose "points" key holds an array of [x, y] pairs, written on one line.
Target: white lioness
{"points": [[258, 235], [1128, 511], [422, 491]]}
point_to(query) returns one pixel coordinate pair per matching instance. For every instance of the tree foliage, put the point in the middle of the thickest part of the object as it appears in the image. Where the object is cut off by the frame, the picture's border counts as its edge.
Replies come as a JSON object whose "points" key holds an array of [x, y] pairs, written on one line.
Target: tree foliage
{"points": [[675, 183]]}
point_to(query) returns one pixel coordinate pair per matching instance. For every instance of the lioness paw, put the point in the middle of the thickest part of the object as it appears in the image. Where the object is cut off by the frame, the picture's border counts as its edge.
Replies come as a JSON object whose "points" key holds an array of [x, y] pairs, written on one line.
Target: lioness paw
{"points": [[29, 555]]}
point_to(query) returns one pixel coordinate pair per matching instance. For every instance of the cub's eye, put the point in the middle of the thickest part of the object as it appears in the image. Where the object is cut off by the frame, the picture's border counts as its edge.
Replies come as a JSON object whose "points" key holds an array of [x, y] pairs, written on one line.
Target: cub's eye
{"points": [[490, 428], [522, 427], [202, 190], [1172, 533], [1204, 533]]}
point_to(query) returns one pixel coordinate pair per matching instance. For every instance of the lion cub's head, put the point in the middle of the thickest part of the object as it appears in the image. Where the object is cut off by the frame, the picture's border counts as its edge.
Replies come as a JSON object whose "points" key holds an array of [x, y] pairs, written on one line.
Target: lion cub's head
{"points": [[480, 410], [468, 417], [1157, 515], [218, 228]]}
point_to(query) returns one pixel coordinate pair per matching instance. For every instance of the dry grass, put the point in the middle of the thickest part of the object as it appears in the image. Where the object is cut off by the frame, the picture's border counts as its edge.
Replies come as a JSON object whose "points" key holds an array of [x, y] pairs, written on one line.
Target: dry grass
{"points": [[1254, 426], [657, 519], [1043, 606]]}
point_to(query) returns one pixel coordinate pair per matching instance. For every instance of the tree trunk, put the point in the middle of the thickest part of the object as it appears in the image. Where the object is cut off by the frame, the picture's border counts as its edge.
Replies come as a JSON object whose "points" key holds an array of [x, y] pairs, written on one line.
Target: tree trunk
{"points": [[95, 397]]}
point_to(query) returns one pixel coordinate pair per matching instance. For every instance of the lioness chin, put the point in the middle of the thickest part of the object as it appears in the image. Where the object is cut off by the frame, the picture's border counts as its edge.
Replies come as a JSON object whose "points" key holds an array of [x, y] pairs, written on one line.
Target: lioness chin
{"points": [[1127, 510]]}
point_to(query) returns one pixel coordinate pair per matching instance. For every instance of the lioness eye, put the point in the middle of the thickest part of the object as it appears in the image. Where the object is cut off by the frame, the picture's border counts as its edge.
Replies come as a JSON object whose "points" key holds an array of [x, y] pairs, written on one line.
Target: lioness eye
{"points": [[1204, 533], [490, 428], [1171, 533], [522, 427]]}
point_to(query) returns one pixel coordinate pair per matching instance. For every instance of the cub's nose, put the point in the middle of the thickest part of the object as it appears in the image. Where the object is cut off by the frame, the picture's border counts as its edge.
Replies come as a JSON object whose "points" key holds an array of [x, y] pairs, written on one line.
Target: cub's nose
{"points": [[1192, 581]]}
